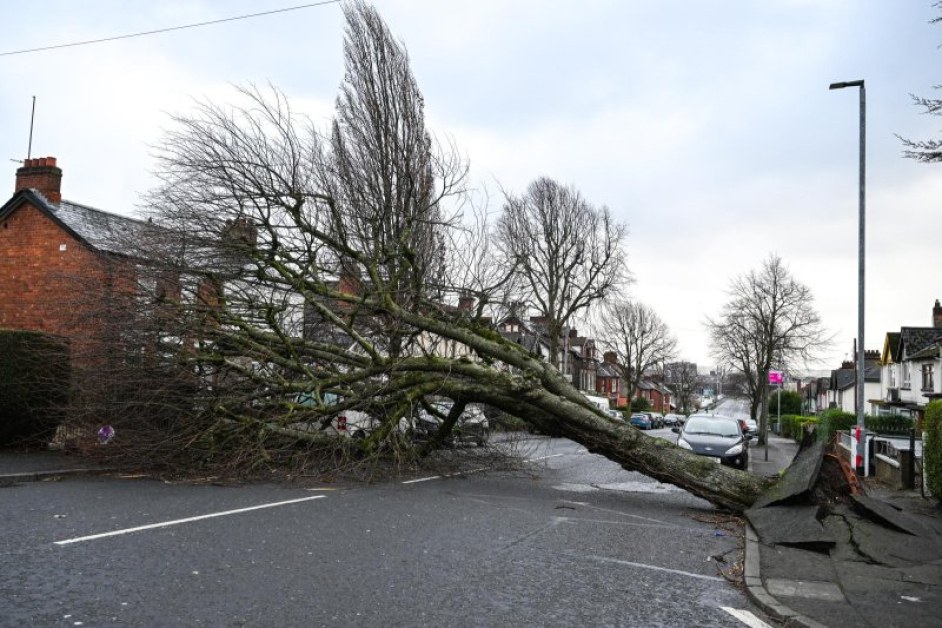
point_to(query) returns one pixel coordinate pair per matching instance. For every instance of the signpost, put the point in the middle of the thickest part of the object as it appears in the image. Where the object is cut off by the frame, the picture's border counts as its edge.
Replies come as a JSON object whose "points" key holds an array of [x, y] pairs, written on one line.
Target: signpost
{"points": [[775, 378]]}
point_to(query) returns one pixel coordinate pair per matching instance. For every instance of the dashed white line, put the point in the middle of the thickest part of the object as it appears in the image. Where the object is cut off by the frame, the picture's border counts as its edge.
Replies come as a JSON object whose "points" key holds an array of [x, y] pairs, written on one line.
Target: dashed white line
{"points": [[746, 617], [629, 563], [433, 477], [545, 457], [447, 475], [165, 524]]}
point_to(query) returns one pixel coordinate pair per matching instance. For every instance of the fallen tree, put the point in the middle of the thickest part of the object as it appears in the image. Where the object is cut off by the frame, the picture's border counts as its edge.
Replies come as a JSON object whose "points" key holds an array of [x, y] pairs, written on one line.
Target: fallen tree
{"points": [[297, 274]]}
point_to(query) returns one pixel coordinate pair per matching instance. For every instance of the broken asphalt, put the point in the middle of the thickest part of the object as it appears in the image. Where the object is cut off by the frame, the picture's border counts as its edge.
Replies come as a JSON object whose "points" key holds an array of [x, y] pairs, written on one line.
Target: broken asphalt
{"points": [[818, 555]]}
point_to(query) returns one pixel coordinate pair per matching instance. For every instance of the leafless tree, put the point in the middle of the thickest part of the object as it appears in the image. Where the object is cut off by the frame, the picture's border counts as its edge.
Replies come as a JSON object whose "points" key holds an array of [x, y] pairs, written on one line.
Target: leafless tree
{"points": [[769, 320], [684, 381], [309, 267], [567, 252], [639, 337], [926, 151]]}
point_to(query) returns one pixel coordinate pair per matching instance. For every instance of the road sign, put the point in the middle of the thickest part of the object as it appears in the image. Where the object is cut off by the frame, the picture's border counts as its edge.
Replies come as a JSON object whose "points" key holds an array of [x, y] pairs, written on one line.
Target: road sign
{"points": [[776, 377]]}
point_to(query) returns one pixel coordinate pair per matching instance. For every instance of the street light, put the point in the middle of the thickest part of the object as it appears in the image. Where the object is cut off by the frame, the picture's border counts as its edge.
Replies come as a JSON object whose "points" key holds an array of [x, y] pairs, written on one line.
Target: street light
{"points": [[860, 265]]}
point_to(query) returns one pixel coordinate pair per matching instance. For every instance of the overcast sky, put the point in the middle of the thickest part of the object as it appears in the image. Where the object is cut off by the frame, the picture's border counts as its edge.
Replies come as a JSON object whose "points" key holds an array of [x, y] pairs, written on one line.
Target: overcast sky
{"points": [[706, 126]]}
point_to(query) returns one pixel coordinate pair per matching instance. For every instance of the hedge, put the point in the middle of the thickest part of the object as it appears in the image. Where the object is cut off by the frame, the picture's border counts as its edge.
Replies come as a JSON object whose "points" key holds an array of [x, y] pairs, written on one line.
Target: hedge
{"points": [[834, 420], [932, 447], [34, 386], [889, 424]]}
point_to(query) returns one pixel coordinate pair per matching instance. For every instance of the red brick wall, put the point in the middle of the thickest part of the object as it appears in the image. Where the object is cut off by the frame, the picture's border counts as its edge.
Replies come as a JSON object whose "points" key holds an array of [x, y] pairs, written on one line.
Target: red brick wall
{"points": [[49, 281]]}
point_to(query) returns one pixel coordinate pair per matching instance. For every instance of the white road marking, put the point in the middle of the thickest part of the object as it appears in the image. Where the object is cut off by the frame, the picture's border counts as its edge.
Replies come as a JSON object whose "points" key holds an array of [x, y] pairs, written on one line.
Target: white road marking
{"points": [[434, 477], [447, 475], [629, 563], [165, 524], [543, 458], [746, 617]]}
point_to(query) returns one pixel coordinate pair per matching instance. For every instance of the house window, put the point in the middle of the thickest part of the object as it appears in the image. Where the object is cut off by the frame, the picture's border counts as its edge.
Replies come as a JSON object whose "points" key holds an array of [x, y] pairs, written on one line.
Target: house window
{"points": [[927, 380], [905, 375], [891, 373]]}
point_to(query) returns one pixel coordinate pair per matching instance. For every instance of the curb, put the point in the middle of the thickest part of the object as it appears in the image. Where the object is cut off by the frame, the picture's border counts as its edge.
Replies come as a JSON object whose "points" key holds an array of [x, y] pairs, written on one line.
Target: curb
{"points": [[38, 476], [758, 593]]}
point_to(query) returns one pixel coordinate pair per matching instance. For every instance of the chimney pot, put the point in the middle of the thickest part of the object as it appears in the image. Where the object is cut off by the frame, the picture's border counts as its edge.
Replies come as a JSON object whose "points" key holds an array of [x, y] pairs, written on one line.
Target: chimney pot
{"points": [[43, 175]]}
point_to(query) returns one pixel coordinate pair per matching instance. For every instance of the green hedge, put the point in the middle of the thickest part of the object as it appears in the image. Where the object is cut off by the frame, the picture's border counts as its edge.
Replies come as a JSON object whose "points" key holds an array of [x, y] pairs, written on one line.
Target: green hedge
{"points": [[889, 424], [795, 425], [834, 420], [932, 447], [34, 386]]}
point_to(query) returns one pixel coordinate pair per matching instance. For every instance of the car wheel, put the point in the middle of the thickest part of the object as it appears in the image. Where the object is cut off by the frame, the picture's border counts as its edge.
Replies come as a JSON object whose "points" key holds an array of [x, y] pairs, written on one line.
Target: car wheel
{"points": [[358, 435]]}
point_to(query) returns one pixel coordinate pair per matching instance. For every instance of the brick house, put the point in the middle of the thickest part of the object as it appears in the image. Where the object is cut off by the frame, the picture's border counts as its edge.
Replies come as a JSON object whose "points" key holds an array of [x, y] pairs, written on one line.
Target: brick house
{"points": [[609, 381], [59, 260]]}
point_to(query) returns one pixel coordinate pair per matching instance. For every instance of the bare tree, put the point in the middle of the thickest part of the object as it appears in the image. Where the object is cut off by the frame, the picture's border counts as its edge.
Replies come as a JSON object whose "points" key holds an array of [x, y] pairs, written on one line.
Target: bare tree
{"points": [[769, 320], [684, 381], [319, 272], [568, 252], [926, 151], [639, 337]]}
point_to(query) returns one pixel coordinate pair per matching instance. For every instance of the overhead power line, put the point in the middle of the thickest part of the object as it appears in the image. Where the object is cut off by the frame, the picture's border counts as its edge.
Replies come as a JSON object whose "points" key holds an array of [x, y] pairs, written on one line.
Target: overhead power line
{"points": [[168, 29]]}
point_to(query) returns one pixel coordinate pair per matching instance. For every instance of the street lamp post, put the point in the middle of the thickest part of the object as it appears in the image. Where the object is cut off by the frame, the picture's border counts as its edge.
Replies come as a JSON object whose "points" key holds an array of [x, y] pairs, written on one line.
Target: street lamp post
{"points": [[860, 265]]}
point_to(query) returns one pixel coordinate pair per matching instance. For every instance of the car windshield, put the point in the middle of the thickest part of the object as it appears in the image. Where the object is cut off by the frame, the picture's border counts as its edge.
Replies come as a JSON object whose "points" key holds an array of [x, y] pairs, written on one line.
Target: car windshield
{"points": [[713, 426]]}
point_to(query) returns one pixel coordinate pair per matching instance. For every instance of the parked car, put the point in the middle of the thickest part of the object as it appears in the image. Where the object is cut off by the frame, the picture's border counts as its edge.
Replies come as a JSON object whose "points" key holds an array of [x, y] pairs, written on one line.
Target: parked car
{"points": [[657, 419], [752, 427], [718, 437], [615, 414], [673, 419], [471, 427], [356, 424], [641, 421]]}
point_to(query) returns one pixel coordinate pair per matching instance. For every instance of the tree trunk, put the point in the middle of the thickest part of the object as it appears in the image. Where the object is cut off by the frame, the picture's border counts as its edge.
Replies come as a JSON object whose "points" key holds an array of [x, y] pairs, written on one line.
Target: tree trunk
{"points": [[629, 447]]}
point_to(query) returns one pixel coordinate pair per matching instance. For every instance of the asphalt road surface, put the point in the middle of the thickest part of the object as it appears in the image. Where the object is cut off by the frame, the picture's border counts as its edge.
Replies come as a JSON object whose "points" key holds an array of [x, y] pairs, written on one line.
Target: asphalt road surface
{"points": [[570, 539]]}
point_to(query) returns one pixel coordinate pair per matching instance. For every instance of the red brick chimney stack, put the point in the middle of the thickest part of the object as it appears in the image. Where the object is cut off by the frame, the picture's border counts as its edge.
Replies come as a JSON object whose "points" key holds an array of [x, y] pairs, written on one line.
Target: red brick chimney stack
{"points": [[42, 175], [937, 314]]}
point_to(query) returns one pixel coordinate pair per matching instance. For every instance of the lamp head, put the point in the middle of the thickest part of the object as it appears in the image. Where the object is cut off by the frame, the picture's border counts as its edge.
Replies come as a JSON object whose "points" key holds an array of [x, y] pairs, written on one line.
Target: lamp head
{"points": [[844, 84]]}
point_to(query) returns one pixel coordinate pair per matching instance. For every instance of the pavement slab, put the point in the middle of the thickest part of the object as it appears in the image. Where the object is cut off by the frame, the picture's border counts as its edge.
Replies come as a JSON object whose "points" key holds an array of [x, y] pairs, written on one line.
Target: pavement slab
{"points": [[889, 515], [796, 526], [788, 563], [798, 479]]}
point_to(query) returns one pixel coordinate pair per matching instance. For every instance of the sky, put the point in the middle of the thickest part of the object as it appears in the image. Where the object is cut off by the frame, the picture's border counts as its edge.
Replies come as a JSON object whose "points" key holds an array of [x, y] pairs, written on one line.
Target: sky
{"points": [[707, 127]]}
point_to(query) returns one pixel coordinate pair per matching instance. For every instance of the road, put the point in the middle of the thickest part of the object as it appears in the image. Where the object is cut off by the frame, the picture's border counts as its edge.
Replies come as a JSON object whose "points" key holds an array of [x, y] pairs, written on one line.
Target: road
{"points": [[569, 539]]}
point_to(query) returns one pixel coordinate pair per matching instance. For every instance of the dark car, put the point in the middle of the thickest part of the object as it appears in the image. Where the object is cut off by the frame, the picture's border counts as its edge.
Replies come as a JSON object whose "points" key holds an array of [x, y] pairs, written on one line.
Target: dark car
{"points": [[717, 437], [471, 427]]}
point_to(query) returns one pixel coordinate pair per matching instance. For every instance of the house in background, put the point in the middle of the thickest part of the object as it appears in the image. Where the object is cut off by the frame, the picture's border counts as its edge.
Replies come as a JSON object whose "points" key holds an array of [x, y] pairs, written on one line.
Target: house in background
{"points": [[911, 362], [842, 385], [60, 261], [609, 381], [584, 362]]}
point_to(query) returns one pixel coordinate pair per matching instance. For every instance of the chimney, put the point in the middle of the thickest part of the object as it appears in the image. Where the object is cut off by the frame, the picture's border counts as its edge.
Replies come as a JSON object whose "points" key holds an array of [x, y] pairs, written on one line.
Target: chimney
{"points": [[42, 175], [937, 314], [466, 302]]}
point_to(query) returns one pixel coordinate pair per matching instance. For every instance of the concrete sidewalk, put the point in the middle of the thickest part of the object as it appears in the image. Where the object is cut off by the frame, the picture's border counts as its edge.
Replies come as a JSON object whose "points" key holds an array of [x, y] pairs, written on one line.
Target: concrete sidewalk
{"points": [[32, 466], [781, 451], [865, 560]]}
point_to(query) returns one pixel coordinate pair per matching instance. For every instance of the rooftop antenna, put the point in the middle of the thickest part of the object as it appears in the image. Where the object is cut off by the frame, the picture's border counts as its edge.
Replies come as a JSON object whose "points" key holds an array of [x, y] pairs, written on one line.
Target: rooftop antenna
{"points": [[32, 116]]}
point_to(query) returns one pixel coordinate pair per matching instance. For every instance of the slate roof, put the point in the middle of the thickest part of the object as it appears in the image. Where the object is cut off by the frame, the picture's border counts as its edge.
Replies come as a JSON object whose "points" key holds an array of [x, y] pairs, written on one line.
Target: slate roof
{"points": [[606, 369], [915, 339], [842, 379], [932, 351], [101, 230]]}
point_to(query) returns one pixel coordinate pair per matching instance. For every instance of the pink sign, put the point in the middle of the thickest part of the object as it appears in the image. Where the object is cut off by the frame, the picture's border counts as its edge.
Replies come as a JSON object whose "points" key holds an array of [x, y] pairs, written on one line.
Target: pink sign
{"points": [[776, 377]]}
